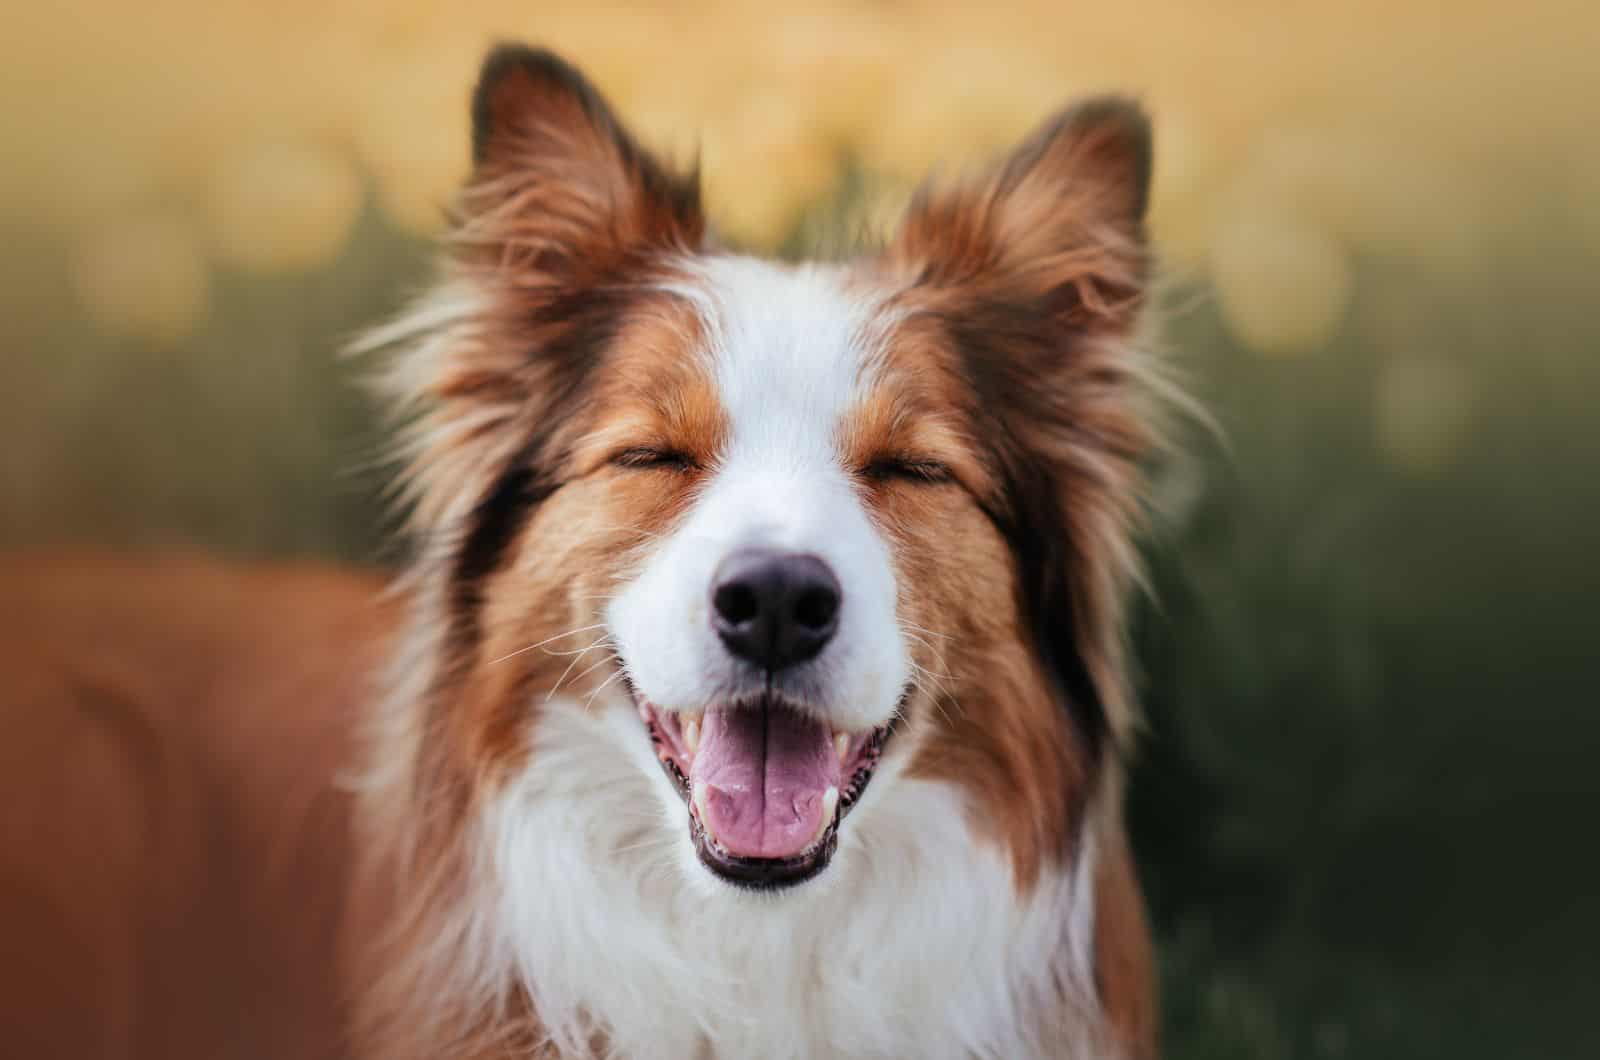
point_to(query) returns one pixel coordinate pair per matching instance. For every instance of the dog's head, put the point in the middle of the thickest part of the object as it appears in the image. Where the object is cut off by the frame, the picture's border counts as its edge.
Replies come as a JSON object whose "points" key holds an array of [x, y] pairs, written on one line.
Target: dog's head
{"points": [[819, 528]]}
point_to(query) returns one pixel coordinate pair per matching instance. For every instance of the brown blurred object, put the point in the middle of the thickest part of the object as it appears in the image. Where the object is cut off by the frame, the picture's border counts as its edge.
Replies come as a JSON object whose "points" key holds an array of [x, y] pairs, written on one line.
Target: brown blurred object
{"points": [[174, 830]]}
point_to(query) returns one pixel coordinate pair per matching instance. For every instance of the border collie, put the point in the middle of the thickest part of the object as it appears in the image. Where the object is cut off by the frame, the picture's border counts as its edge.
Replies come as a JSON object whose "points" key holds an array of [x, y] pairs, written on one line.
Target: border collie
{"points": [[756, 687]]}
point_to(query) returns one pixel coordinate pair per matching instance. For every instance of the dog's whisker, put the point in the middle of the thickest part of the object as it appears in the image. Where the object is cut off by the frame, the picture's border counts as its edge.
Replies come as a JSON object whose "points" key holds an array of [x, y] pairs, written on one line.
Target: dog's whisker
{"points": [[547, 640], [562, 679], [938, 656], [611, 657], [591, 697], [923, 631], [936, 679], [921, 679], [573, 651], [943, 667]]}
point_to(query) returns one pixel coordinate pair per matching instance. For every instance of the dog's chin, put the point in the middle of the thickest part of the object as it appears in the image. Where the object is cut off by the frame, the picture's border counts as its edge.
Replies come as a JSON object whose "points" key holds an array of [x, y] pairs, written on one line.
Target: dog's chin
{"points": [[767, 785]]}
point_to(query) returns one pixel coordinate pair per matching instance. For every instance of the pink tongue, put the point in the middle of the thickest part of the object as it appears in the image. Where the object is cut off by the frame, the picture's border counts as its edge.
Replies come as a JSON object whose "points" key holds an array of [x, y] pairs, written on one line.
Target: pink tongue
{"points": [[765, 772]]}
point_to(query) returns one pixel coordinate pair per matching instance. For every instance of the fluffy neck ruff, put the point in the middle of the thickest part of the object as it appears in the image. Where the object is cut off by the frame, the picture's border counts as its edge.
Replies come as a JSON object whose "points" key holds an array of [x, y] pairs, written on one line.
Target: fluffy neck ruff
{"points": [[564, 915]]}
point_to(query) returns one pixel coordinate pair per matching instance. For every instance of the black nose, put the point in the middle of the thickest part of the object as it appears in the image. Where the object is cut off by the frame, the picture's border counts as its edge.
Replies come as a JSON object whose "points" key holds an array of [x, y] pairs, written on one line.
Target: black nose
{"points": [[774, 609]]}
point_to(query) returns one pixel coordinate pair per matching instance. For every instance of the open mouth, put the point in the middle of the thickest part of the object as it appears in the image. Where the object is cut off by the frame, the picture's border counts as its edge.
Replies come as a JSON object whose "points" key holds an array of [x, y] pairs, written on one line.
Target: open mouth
{"points": [[766, 784]]}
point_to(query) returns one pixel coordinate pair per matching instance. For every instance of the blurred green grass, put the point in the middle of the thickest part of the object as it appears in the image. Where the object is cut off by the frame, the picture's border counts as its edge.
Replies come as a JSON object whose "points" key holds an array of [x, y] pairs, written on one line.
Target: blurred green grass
{"points": [[1368, 659]]}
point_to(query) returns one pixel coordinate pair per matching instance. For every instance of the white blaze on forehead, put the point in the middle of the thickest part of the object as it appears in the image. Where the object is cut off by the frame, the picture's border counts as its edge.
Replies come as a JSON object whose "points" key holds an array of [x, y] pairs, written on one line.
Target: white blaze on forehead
{"points": [[791, 350]]}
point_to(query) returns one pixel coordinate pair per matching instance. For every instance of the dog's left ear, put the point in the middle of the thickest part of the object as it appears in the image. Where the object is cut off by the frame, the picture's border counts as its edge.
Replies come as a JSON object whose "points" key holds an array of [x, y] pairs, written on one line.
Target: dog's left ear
{"points": [[1058, 225]]}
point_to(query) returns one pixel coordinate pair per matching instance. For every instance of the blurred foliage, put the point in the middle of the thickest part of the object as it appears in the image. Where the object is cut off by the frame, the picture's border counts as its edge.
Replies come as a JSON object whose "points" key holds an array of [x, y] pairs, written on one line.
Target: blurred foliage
{"points": [[1364, 802], [1363, 799]]}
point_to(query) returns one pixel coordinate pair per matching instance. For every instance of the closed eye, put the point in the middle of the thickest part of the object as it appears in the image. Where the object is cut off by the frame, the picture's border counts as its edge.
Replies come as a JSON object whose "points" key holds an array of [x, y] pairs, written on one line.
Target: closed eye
{"points": [[642, 457], [904, 469]]}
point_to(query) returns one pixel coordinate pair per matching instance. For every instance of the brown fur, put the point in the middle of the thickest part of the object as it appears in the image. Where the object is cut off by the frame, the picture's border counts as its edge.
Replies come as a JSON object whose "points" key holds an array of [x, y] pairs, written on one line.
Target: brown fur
{"points": [[1125, 965], [991, 723]]}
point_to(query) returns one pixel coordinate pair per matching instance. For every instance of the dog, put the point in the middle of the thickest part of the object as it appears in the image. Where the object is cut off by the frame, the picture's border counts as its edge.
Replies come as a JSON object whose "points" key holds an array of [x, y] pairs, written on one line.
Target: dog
{"points": [[755, 686]]}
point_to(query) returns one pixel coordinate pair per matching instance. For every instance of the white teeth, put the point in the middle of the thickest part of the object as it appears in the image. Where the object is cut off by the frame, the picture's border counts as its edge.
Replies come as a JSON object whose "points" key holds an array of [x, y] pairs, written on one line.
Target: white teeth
{"points": [[700, 802], [841, 746], [691, 732], [830, 803]]}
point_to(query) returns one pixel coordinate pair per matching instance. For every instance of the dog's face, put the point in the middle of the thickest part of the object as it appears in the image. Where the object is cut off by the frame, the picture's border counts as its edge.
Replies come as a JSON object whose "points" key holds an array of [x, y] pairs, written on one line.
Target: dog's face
{"points": [[760, 634], [820, 526]]}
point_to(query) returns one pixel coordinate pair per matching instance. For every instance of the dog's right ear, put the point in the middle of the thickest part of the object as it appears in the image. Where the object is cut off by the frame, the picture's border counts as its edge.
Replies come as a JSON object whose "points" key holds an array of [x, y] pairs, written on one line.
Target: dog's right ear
{"points": [[558, 183]]}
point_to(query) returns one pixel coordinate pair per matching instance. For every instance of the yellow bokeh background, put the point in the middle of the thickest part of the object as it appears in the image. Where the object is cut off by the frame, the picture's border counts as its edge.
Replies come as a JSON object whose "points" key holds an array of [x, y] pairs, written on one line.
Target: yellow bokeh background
{"points": [[161, 152], [1289, 137]]}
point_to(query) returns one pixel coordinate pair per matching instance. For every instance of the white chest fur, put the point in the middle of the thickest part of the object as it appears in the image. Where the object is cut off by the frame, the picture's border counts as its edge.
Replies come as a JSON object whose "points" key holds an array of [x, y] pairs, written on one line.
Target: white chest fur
{"points": [[914, 943]]}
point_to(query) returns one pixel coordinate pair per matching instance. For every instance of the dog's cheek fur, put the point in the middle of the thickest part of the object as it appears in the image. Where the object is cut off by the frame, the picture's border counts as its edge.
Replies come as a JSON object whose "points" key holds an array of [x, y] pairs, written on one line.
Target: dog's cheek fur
{"points": [[987, 717], [987, 720], [541, 612]]}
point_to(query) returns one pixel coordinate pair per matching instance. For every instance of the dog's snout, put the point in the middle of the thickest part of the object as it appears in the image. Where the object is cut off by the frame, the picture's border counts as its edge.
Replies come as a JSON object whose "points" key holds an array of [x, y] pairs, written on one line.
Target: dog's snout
{"points": [[774, 609]]}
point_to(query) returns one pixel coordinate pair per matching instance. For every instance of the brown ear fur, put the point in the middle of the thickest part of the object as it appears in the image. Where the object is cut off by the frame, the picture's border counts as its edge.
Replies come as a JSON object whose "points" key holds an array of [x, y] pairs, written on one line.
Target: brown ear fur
{"points": [[559, 184], [1060, 222]]}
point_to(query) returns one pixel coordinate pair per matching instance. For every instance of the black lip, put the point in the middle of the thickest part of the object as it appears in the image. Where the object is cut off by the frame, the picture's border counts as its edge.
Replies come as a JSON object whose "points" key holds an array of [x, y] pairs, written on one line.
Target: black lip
{"points": [[763, 874]]}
